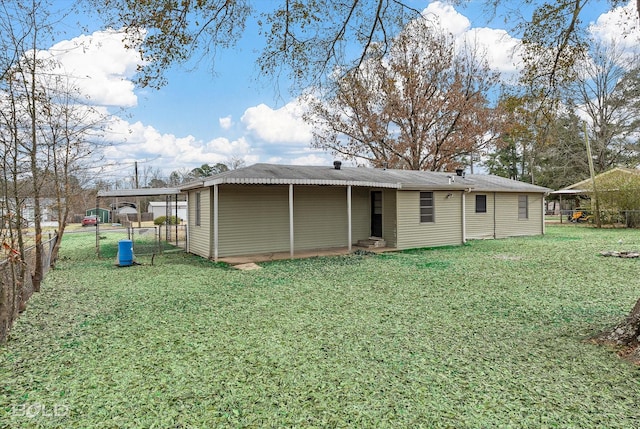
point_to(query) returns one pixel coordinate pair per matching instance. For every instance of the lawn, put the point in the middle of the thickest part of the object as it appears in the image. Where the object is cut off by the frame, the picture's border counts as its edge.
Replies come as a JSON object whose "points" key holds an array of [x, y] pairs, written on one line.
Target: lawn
{"points": [[490, 334]]}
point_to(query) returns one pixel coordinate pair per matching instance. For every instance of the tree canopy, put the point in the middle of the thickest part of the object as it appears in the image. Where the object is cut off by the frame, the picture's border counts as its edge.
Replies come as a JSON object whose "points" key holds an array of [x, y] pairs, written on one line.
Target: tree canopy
{"points": [[311, 39], [422, 106]]}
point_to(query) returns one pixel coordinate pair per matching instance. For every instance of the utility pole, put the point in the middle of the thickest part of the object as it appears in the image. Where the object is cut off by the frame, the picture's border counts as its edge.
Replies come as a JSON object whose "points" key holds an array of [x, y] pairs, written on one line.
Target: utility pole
{"points": [[595, 201], [138, 198]]}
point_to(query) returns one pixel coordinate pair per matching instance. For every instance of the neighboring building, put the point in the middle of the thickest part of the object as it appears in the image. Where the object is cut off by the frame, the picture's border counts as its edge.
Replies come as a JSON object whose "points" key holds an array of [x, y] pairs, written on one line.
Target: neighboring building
{"points": [[160, 209], [268, 208], [618, 192], [616, 180], [103, 215], [48, 211]]}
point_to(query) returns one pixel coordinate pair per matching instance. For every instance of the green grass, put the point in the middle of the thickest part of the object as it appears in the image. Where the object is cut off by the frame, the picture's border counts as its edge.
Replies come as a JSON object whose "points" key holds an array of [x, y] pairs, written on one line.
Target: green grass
{"points": [[490, 334]]}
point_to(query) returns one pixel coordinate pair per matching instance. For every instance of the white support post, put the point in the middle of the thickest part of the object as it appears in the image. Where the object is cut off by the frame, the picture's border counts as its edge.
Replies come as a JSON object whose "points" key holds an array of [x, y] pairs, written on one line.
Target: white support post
{"points": [[215, 222], [464, 217], [543, 214], [349, 218], [187, 244], [291, 242]]}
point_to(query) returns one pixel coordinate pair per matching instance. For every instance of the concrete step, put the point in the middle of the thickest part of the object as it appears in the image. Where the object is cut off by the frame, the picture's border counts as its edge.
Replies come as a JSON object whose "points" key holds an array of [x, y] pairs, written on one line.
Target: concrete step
{"points": [[372, 243]]}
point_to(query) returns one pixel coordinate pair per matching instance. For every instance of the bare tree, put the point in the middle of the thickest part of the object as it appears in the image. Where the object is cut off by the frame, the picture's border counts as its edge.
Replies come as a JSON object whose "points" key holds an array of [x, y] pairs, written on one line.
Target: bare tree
{"points": [[606, 91], [423, 106], [69, 131], [20, 27]]}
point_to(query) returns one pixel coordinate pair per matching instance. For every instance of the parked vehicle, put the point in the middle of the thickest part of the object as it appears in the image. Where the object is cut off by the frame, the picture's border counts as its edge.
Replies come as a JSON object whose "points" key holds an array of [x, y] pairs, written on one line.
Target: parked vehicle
{"points": [[90, 220]]}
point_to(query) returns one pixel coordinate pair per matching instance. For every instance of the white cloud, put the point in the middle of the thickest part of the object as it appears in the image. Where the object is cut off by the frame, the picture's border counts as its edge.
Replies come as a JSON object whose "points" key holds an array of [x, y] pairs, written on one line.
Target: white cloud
{"points": [[226, 122], [449, 19], [312, 159], [284, 125], [503, 51], [500, 49], [100, 66], [230, 148], [136, 141], [620, 26]]}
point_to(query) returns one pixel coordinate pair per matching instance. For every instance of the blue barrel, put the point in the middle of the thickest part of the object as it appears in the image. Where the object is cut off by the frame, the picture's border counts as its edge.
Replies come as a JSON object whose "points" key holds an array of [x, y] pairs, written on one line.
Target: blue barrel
{"points": [[125, 253]]}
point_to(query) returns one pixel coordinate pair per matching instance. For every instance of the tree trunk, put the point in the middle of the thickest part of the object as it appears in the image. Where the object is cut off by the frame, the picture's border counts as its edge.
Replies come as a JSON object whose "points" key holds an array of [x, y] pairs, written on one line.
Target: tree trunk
{"points": [[626, 335], [56, 246]]}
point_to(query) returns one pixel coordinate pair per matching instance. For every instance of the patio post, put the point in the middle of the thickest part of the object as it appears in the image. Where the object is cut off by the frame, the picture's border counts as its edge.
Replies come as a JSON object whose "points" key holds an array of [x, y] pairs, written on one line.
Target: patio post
{"points": [[349, 218], [291, 242], [464, 217], [215, 221]]}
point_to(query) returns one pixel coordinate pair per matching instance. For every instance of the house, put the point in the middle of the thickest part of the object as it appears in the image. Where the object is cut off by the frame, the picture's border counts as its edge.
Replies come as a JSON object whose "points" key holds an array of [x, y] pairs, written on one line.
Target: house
{"points": [[618, 190], [609, 181], [159, 208], [48, 210], [266, 208]]}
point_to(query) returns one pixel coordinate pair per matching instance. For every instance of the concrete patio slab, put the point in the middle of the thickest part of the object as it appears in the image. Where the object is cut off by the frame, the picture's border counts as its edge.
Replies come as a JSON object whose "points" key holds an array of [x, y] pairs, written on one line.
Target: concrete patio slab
{"points": [[278, 256]]}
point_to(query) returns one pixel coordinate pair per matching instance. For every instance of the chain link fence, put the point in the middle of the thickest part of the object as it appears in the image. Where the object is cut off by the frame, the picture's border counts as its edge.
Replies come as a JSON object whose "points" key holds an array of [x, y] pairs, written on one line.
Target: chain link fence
{"points": [[16, 284], [147, 241], [616, 218]]}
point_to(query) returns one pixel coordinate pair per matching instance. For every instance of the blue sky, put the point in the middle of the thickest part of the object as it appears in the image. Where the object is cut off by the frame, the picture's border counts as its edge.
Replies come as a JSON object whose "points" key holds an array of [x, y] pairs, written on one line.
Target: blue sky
{"points": [[201, 118]]}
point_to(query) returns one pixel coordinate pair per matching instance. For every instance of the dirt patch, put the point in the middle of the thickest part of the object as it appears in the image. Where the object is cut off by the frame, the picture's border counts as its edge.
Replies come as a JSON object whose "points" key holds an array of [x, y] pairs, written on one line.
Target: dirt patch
{"points": [[247, 267], [508, 257], [624, 337], [628, 352]]}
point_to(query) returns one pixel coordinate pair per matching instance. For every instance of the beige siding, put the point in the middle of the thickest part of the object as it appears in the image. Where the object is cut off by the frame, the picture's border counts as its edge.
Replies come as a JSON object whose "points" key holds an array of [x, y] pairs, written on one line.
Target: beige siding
{"points": [[320, 217], [200, 236], [507, 222], [253, 219], [389, 217], [360, 214], [445, 230], [479, 225]]}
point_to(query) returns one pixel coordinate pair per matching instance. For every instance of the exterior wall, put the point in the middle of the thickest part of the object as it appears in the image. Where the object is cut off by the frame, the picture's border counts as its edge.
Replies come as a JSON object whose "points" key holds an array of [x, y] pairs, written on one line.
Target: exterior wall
{"points": [[253, 219], [389, 217], [200, 236], [445, 230], [480, 225], [507, 222], [319, 217], [360, 214]]}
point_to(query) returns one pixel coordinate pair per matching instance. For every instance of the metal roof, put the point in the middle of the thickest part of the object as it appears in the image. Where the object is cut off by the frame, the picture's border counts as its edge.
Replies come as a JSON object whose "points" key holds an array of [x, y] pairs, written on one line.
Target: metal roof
{"points": [[586, 186], [145, 192], [273, 174]]}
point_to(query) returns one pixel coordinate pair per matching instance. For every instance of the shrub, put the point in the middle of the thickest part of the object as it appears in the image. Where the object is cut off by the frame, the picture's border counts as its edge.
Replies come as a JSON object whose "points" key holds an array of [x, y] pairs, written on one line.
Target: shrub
{"points": [[162, 220]]}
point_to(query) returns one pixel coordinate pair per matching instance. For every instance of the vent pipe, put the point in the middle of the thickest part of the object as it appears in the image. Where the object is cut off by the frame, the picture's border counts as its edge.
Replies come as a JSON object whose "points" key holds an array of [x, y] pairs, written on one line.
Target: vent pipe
{"points": [[337, 165], [460, 172]]}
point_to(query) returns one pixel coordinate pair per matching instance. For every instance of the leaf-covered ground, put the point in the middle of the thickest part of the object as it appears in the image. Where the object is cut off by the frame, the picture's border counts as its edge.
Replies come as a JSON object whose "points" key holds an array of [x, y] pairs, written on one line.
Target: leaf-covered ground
{"points": [[490, 334]]}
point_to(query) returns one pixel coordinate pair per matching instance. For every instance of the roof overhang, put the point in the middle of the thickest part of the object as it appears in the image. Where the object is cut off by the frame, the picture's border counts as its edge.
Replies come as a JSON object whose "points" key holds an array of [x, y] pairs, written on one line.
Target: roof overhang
{"points": [[571, 192], [279, 181], [146, 192]]}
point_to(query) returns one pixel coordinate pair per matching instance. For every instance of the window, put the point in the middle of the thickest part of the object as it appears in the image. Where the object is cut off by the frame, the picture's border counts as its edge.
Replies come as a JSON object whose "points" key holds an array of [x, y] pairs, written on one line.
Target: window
{"points": [[481, 203], [198, 211], [523, 207], [426, 207]]}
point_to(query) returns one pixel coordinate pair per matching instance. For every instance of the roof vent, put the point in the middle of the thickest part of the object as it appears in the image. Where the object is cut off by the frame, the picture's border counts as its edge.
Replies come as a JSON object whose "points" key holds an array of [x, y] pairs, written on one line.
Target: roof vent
{"points": [[337, 164], [460, 172]]}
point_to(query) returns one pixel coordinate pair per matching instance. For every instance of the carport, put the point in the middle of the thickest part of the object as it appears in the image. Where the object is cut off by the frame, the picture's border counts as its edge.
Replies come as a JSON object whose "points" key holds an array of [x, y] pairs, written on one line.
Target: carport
{"points": [[170, 195]]}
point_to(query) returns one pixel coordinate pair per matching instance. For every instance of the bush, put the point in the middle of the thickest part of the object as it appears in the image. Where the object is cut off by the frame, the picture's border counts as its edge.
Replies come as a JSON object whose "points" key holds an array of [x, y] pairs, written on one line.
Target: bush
{"points": [[162, 220]]}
